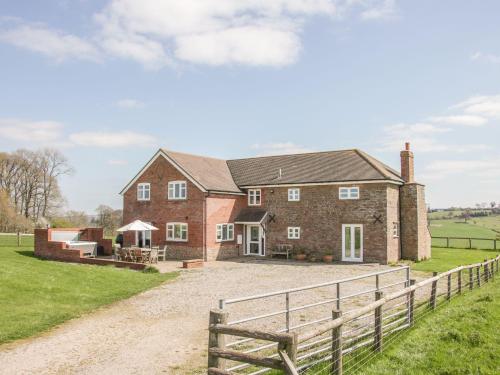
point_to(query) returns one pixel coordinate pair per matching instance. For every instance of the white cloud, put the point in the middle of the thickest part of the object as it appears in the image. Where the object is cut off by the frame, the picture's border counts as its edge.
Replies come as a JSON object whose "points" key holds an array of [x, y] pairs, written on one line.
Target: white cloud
{"points": [[464, 120], [482, 105], [476, 169], [30, 131], [380, 10], [280, 148], [487, 57], [250, 45], [112, 139], [159, 33], [129, 103], [51, 43]]}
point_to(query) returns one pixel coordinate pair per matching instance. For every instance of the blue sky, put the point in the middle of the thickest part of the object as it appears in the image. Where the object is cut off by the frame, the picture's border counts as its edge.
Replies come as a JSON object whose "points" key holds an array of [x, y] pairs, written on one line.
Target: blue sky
{"points": [[108, 82]]}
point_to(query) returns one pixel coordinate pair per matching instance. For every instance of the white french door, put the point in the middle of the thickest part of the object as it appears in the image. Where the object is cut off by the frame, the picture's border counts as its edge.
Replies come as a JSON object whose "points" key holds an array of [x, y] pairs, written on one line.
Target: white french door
{"points": [[352, 242], [254, 240]]}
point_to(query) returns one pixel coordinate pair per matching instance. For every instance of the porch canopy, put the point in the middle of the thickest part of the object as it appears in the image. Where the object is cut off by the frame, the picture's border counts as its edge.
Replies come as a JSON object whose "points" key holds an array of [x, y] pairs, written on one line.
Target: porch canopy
{"points": [[250, 216]]}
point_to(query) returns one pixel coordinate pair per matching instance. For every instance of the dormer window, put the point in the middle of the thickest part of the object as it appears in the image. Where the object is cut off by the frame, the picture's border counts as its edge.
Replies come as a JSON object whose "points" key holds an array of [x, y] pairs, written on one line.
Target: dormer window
{"points": [[349, 193], [143, 191], [177, 190], [254, 197]]}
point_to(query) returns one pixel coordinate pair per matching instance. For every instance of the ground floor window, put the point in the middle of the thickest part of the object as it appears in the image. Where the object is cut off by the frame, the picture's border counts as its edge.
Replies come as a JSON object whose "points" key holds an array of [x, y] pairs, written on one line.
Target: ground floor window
{"points": [[293, 233], [395, 229], [225, 232], [177, 231]]}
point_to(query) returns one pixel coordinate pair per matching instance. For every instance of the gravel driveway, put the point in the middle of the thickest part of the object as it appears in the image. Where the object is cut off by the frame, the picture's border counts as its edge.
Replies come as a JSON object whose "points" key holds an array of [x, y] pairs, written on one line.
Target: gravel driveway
{"points": [[163, 330]]}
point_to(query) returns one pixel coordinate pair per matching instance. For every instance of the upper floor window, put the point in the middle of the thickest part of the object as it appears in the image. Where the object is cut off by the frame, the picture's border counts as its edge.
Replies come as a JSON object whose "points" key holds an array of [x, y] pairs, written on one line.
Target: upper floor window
{"points": [[177, 190], [395, 229], [225, 232], [177, 232], [294, 194], [294, 233], [143, 191], [349, 193], [254, 197]]}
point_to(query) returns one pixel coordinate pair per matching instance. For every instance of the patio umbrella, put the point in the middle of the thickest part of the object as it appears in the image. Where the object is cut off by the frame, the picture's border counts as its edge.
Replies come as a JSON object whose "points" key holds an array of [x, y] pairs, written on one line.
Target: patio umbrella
{"points": [[137, 226]]}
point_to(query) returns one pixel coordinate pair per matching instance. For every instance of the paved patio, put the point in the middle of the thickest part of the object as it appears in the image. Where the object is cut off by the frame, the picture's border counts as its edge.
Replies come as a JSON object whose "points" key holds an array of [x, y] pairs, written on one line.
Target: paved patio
{"points": [[163, 330]]}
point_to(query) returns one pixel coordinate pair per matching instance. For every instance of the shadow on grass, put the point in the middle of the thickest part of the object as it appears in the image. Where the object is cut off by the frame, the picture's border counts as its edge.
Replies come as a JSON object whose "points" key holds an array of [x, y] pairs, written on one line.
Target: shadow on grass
{"points": [[26, 253]]}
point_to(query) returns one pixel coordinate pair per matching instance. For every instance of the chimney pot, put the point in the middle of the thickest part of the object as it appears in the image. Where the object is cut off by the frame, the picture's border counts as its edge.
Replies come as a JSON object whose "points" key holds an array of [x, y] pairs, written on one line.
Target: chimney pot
{"points": [[407, 169]]}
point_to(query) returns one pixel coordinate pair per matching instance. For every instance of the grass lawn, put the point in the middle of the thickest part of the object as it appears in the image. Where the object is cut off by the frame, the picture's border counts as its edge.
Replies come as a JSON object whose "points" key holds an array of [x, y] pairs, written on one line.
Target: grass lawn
{"points": [[461, 337], [444, 259], [36, 295]]}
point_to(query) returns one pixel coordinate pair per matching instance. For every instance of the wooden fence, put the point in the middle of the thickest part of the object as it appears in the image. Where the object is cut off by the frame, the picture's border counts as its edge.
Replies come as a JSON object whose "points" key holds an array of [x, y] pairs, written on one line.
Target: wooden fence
{"points": [[466, 242], [17, 239], [385, 319]]}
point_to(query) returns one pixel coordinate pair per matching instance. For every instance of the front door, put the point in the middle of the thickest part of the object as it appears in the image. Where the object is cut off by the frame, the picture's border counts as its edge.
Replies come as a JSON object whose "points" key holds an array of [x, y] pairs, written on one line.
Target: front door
{"points": [[352, 242], [254, 240]]}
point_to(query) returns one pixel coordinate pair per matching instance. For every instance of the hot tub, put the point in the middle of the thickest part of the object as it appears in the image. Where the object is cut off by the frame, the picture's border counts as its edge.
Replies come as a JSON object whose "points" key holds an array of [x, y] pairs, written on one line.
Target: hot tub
{"points": [[89, 248]]}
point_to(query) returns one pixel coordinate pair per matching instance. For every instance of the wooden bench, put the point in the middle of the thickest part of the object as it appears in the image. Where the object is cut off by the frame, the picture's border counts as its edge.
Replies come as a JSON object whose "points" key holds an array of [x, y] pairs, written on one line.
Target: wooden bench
{"points": [[282, 249], [192, 263]]}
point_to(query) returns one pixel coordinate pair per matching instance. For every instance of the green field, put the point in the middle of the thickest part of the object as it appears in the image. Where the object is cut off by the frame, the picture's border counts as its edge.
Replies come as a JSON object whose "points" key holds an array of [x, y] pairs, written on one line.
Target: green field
{"points": [[444, 259], [36, 295], [459, 338], [484, 227]]}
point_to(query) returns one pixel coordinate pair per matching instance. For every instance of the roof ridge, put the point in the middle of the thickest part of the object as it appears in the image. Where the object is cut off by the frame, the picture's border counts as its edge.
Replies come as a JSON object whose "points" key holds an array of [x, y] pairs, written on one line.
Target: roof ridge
{"points": [[167, 151], [295, 154]]}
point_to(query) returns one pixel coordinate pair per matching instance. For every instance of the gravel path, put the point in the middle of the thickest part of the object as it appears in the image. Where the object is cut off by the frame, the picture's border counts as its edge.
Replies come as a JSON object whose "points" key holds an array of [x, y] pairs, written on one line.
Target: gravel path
{"points": [[163, 330]]}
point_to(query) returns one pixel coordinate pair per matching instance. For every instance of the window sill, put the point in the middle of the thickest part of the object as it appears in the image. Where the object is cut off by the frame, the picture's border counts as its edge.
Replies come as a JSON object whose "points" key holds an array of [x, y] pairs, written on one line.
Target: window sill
{"points": [[172, 240], [177, 199], [219, 241]]}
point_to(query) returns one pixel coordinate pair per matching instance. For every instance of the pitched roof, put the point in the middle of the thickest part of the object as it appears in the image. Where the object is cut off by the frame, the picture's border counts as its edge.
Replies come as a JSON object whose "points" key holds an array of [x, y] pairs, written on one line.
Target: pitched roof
{"points": [[316, 167], [250, 215], [211, 173]]}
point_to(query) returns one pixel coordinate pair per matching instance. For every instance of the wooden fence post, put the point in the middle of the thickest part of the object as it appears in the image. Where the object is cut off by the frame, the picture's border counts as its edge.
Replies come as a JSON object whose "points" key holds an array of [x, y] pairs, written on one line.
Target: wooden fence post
{"points": [[447, 241], [216, 340], [486, 272], [471, 279], [459, 281], [470, 243], [478, 271], [378, 323], [448, 290], [411, 305], [336, 345], [492, 270], [432, 302], [18, 239]]}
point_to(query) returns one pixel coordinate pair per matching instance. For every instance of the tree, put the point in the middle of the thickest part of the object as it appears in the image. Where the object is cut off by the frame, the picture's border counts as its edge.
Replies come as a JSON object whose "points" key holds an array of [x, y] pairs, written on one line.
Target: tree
{"points": [[493, 204], [108, 218]]}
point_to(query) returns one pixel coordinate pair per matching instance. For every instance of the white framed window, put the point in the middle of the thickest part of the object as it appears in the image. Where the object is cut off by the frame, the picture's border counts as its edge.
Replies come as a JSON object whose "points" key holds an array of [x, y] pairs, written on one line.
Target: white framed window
{"points": [[254, 197], [177, 232], [143, 191], [224, 232], [349, 193], [294, 194], [293, 233], [395, 229], [177, 190]]}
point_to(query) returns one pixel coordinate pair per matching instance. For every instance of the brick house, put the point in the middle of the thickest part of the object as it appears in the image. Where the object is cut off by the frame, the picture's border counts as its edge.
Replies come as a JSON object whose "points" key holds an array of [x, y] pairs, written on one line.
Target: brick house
{"points": [[341, 203]]}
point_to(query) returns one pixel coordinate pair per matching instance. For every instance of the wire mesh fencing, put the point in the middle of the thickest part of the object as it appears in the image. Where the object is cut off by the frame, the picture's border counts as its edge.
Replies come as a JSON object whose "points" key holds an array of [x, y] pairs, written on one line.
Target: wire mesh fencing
{"points": [[349, 340]]}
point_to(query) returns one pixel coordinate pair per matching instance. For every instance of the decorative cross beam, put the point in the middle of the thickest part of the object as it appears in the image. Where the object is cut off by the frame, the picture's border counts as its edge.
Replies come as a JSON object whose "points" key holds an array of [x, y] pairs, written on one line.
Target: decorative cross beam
{"points": [[378, 219], [272, 218]]}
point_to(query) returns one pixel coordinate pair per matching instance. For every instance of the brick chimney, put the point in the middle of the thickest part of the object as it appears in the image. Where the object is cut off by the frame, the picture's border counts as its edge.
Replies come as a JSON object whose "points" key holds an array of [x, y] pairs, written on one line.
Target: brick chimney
{"points": [[407, 169]]}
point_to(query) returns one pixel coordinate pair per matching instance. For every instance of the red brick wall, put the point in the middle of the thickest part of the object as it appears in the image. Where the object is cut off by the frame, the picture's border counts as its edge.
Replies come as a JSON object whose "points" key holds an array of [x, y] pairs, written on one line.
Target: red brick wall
{"points": [[159, 210], [320, 215], [223, 209]]}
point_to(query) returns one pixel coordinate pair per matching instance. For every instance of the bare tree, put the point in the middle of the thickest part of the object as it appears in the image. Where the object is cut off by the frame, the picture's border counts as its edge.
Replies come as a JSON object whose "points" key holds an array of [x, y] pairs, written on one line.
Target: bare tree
{"points": [[108, 218]]}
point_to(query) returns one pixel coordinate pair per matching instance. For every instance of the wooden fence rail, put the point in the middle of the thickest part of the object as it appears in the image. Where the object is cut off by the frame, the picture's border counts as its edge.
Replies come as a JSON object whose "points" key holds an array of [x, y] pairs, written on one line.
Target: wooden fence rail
{"points": [[286, 358], [468, 241]]}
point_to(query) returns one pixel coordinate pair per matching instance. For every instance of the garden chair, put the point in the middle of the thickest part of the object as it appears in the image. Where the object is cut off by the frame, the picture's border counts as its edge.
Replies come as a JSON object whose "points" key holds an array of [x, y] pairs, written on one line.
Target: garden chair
{"points": [[153, 255], [162, 253], [146, 255], [137, 254], [117, 251]]}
